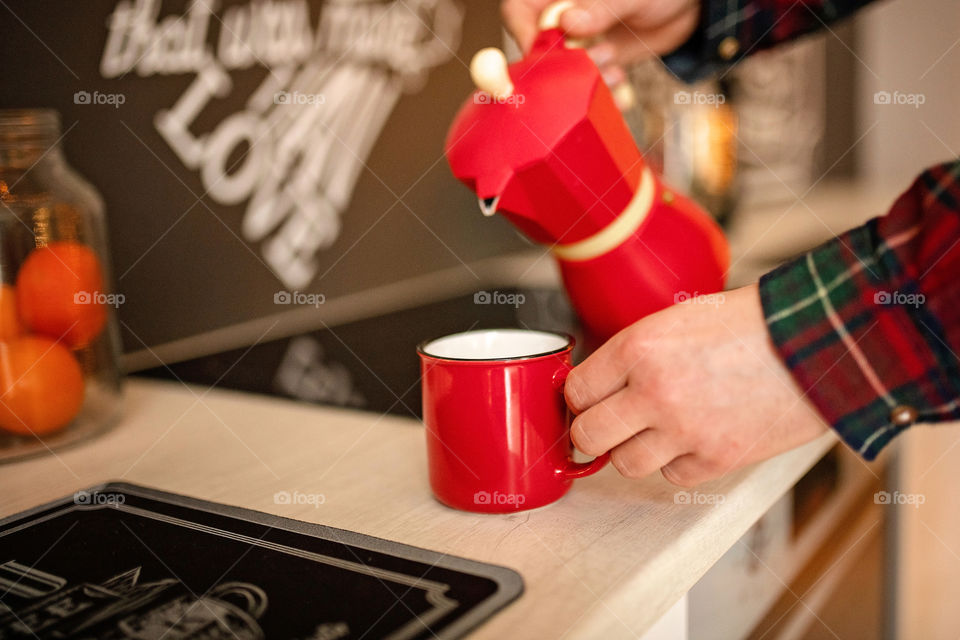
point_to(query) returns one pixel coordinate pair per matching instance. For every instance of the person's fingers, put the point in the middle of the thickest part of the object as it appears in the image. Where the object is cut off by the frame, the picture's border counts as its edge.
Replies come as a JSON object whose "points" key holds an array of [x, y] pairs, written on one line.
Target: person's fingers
{"points": [[605, 371], [521, 18], [588, 18], [688, 471], [608, 423], [651, 30], [602, 53], [645, 453], [629, 45], [613, 75]]}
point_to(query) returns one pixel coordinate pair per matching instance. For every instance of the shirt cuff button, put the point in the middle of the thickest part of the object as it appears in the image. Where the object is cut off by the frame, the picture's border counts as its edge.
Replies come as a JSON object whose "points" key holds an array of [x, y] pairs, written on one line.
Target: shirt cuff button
{"points": [[903, 415], [728, 47]]}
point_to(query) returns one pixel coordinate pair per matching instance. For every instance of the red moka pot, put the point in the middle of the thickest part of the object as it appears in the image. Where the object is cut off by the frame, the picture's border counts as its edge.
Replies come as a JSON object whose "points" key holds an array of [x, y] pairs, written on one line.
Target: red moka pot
{"points": [[543, 143]]}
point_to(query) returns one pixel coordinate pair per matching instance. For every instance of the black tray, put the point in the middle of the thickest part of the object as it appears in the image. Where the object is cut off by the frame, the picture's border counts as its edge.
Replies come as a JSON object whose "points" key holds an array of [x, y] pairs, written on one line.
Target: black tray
{"points": [[122, 561]]}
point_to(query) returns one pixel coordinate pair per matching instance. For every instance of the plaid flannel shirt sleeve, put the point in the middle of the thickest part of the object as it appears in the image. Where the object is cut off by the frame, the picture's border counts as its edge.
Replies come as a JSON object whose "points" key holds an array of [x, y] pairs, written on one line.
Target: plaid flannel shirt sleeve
{"points": [[869, 323], [732, 29]]}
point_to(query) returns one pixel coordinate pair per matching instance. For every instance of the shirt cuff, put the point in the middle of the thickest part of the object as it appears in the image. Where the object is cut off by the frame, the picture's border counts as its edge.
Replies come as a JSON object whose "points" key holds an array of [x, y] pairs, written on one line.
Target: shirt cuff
{"points": [[864, 354], [713, 47], [731, 29]]}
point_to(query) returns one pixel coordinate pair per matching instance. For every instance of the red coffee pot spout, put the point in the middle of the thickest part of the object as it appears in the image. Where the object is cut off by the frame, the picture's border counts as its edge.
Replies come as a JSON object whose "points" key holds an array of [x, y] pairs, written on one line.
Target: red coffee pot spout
{"points": [[488, 206], [542, 142]]}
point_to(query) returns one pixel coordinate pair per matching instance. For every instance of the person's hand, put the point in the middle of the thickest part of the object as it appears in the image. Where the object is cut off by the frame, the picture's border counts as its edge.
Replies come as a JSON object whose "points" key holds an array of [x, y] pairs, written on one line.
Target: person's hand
{"points": [[627, 31], [696, 390]]}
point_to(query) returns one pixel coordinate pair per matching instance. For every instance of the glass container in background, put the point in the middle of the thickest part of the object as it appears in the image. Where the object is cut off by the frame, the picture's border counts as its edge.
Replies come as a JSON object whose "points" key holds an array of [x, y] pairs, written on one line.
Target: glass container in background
{"points": [[700, 147], [780, 98], [689, 133], [750, 137], [60, 380]]}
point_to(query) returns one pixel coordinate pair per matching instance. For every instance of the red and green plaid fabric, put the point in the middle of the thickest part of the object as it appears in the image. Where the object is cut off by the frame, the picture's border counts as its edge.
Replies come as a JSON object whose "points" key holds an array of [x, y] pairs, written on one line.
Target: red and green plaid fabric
{"points": [[870, 320], [756, 25]]}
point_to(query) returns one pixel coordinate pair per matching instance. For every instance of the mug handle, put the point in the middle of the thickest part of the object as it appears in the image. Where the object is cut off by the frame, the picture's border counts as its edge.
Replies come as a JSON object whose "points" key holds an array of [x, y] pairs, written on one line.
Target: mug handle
{"points": [[571, 470]]}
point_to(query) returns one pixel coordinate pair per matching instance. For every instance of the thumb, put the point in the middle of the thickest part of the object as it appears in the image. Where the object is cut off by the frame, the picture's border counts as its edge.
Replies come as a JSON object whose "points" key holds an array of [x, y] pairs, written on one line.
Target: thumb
{"points": [[520, 17], [589, 18]]}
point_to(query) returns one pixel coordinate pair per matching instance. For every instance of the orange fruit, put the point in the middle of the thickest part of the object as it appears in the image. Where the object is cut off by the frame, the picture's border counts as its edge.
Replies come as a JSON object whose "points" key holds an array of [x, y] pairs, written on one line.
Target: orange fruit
{"points": [[10, 326], [41, 385], [57, 293]]}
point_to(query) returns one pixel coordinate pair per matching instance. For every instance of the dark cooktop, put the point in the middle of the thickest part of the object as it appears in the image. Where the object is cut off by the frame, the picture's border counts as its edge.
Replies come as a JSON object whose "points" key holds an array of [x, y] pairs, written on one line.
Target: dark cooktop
{"points": [[372, 363]]}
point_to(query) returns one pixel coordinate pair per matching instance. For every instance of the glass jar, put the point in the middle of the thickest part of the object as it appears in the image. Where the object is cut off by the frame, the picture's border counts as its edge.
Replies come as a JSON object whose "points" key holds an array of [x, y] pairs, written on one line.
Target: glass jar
{"points": [[60, 379], [689, 134]]}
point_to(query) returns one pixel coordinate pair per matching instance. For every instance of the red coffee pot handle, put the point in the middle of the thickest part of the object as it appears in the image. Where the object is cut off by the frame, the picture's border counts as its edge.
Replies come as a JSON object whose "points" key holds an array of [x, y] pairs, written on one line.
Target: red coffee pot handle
{"points": [[571, 470]]}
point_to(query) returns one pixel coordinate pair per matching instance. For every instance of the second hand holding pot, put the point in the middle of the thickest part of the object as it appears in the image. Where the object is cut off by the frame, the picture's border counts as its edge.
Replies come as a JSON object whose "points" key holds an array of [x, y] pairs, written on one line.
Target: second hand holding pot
{"points": [[542, 142]]}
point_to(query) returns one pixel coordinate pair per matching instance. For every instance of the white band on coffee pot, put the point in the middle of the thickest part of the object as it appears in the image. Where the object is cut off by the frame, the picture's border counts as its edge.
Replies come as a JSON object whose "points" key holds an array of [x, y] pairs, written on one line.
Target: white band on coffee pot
{"points": [[615, 233]]}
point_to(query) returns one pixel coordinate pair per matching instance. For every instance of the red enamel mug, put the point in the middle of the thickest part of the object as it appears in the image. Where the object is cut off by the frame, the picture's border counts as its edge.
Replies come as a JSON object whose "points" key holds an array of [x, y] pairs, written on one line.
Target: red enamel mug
{"points": [[497, 424]]}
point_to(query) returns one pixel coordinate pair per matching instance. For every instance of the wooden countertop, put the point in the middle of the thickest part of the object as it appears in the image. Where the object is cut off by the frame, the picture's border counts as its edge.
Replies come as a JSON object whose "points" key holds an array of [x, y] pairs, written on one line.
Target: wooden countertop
{"points": [[605, 562]]}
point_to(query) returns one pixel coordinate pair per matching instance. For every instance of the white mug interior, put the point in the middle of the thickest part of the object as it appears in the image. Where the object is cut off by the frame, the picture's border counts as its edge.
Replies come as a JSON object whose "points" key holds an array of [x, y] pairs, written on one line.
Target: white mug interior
{"points": [[495, 344]]}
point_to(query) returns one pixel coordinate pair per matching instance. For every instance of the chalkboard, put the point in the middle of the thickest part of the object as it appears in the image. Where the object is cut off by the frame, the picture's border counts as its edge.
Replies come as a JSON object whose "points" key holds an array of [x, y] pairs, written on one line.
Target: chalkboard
{"points": [[121, 561], [324, 122]]}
